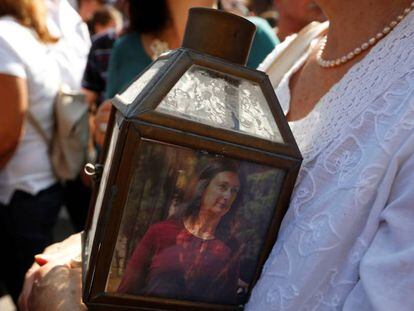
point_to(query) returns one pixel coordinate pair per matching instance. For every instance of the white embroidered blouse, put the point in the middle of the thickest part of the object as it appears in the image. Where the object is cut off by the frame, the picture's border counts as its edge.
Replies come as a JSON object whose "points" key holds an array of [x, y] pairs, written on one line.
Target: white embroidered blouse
{"points": [[347, 240]]}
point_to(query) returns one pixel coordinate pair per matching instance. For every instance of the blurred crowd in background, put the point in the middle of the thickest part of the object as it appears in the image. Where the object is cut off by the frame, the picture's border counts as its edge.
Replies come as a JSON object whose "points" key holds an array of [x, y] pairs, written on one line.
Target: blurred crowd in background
{"points": [[95, 48]]}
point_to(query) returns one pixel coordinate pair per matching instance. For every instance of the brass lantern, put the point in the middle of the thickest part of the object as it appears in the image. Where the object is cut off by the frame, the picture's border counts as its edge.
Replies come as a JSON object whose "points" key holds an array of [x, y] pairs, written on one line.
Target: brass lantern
{"points": [[200, 165]]}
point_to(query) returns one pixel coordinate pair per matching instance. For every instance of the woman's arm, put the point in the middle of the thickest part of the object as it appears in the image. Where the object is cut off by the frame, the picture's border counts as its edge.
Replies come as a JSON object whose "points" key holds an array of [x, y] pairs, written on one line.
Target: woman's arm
{"points": [[14, 102], [386, 278], [54, 280]]}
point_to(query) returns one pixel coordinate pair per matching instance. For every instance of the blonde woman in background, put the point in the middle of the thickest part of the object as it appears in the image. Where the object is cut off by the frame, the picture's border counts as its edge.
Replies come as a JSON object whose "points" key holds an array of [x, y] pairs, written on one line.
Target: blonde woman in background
{"points": [[30, 197]]}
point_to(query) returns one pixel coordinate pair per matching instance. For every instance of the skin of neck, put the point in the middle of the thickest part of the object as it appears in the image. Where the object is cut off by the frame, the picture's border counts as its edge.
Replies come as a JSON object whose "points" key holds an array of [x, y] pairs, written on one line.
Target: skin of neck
{"points": [[204, 224], [287, 26], [354, 22]]}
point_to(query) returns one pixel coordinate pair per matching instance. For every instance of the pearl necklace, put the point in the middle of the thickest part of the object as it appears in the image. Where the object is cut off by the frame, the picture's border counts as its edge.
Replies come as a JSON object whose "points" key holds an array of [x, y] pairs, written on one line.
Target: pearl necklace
{"points": [[363, 47]]}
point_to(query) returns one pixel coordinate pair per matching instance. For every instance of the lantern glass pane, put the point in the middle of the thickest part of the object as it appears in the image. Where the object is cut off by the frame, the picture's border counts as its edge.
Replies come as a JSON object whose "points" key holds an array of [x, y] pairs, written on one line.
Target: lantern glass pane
{"points": [[223, 101], [133, 91], [102, 188], [156, 255]]}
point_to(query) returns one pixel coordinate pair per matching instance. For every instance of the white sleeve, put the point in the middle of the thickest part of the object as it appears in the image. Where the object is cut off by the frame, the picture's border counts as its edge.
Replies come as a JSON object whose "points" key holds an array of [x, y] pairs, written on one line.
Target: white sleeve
{"points": [[10, 62], [387, 269], [276, 51]]}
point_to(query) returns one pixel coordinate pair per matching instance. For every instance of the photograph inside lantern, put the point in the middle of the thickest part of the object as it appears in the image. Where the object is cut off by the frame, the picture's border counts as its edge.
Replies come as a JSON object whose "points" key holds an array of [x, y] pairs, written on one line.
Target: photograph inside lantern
{"points": [[193, 226]]}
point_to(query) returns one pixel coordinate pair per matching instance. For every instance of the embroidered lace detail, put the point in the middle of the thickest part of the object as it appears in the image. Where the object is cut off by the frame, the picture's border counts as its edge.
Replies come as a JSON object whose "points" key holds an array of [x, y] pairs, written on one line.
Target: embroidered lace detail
{"points": [[350, 143]]}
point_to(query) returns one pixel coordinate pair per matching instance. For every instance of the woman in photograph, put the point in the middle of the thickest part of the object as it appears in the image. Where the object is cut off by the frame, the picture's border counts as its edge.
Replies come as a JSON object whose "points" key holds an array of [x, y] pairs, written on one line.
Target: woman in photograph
{"points": [[193, 255]]}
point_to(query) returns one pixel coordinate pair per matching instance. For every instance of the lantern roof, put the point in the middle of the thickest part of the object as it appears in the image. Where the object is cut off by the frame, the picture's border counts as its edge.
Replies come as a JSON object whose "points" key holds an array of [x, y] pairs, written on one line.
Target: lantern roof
{"points": [[210, 95]]}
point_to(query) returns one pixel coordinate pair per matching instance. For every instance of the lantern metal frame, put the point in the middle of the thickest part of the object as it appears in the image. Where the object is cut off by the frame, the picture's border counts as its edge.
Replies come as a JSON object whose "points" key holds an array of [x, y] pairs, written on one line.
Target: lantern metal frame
{"points": [[139, 121]]}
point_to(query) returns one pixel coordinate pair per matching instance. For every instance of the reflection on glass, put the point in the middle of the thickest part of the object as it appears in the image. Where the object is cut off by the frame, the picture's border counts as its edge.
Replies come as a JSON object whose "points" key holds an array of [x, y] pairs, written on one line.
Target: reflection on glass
{"points": [[193, 225], [131, 93], [102, 189], [223, 101]]}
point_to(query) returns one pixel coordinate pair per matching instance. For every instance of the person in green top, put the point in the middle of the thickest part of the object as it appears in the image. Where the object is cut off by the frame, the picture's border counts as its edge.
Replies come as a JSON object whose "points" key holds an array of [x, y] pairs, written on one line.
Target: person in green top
{"points": [[264, 41], [128, 59], [158, 25]]}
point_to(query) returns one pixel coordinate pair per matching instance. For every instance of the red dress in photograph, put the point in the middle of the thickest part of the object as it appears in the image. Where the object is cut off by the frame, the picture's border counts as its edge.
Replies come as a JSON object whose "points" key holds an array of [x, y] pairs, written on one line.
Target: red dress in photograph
{"points": [[170, 262]]}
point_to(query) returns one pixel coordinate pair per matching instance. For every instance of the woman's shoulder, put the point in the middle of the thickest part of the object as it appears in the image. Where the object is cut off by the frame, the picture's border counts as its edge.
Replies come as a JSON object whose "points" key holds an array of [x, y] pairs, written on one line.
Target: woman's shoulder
{"points": [[20, 40], [12, 30], [128, 50], [9, 21], [297, 48], [261, 24], [20, 49], [169, 224], [127, 41], [265, 40]]}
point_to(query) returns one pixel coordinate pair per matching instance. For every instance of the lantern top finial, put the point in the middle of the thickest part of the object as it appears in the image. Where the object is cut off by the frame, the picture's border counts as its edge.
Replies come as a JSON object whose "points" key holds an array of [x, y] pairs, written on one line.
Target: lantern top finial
{"points": [[219, 34]]}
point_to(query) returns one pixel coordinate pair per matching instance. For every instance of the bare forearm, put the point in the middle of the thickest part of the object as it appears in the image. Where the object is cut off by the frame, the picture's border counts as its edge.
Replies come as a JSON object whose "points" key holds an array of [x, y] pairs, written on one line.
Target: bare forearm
{"points": [[13, 105]]}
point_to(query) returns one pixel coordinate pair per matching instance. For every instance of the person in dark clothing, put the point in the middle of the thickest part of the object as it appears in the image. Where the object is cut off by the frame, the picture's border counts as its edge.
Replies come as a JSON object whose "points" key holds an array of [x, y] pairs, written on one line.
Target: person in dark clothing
{"points": [[94, 77]]}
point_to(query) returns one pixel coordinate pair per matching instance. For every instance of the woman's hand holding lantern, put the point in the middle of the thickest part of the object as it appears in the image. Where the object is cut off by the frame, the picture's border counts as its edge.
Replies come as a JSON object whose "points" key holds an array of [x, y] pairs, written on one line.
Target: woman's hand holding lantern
{"points": [[54, 280]]}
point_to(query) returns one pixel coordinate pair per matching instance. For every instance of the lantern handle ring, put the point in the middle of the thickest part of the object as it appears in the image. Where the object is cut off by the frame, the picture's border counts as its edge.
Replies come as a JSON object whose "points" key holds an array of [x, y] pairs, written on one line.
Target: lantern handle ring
{"points": [[94, 170]]}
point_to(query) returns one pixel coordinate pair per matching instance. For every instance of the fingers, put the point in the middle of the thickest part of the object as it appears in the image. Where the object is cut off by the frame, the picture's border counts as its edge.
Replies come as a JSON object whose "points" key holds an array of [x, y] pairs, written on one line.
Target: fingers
{"points": [[32, 277], [60, 289], [27, 288], [37, 282], [65, 255], [42, 259], [67, 247]]}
